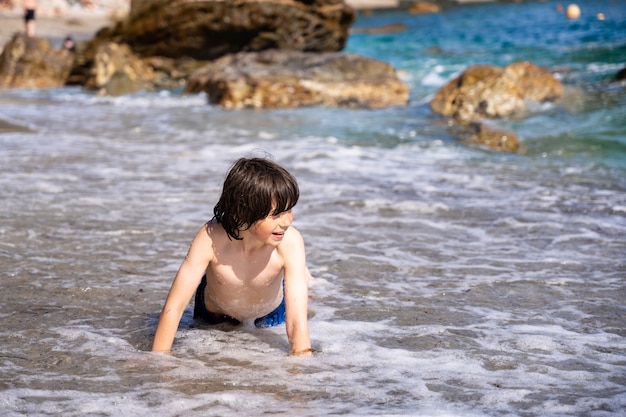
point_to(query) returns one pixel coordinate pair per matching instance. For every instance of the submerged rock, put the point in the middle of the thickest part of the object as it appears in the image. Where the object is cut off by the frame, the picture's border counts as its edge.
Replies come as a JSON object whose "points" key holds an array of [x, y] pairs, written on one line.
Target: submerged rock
{"points": [[491, 137], [486, 135], [284, 79], [28, 62], [486, 91], [421, 7], [8, 127], [208, 29], [378, 30]]}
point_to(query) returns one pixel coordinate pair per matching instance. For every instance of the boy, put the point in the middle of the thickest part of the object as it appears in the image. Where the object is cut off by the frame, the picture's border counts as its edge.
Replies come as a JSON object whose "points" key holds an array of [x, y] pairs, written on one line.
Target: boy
{"points": [[247, 263]]}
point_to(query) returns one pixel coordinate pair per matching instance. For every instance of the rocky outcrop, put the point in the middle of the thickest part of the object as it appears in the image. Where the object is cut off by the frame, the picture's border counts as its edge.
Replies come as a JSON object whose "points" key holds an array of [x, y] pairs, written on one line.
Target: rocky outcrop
{"points": [[491, 137], [421, 7], [242, 53], [489, 92], [114, 69], [162, 42], [209, 29], [32, 63], [8, 127], [117, 71], [485, 91], [284, 79]]}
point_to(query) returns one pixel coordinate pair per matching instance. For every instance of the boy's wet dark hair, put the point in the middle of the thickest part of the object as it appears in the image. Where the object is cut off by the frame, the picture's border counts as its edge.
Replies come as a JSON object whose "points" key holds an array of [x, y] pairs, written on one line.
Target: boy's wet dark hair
{"points": [[254, 189]]}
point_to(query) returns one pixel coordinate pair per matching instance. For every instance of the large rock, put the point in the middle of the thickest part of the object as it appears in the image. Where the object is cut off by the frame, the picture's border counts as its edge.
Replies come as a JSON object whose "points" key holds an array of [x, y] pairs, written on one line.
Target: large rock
{"points": [[284, 79], [208, 29], [485, 91], [32, 63], [114, 69], [117, 71]]}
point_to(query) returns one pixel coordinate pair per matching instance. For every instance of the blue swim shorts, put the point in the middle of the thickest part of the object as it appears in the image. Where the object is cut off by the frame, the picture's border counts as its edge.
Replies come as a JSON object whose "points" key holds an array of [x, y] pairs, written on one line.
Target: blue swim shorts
{"points": [[201, 313]]}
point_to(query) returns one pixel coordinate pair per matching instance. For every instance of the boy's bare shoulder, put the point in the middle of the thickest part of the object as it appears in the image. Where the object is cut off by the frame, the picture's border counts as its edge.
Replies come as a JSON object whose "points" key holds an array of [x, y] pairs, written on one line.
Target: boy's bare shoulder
{"points": [[294, 233], [212, 228], [214, 233], [293, 241], [210, 233]]}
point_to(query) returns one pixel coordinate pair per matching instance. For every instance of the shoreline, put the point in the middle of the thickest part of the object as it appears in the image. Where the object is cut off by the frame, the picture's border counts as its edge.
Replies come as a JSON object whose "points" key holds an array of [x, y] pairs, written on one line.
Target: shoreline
{"points": [[82, 26]]}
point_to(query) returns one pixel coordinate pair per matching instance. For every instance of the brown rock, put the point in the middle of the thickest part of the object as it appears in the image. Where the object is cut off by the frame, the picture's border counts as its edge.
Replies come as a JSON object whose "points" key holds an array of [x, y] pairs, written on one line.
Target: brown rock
{"points": [[480, 91], [422, 7], [98, 61], [485, 91], [32, 63], [378, 30], [537, 84], [208, 29], [116, 70], [173, 73], [284, 79], [498, 139]]}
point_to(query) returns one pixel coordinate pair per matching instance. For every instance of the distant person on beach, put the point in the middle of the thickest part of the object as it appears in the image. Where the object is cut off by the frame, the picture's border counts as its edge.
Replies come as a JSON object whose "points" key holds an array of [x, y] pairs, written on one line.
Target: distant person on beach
{"points": [[30, 6], [247, 263], [69, 44]]}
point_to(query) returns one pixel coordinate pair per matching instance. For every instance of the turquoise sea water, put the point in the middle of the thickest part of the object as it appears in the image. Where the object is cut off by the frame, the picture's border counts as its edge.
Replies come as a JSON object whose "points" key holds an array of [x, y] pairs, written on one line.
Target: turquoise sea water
{"points": [[449, 280], [585, 54]]}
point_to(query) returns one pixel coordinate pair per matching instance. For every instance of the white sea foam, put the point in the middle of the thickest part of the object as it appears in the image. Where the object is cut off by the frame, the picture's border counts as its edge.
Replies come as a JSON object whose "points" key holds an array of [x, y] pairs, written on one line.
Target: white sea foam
{"points": [[161, 402], [434, 79], [163, 99]]}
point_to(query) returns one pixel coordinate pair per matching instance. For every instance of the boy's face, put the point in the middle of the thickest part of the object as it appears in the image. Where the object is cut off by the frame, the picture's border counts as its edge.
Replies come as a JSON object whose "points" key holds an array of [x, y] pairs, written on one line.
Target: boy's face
{"points": [[271, 229]]}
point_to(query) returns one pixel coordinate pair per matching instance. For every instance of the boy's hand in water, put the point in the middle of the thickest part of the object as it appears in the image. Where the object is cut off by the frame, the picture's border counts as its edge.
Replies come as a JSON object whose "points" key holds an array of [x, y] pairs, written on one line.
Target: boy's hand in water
{"points": [[303, 352]]}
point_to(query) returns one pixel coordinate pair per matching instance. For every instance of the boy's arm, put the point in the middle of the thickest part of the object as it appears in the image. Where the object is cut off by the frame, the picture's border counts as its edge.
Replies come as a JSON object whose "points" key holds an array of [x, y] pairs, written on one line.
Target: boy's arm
{"points": [[185, 284], [296, 293]]}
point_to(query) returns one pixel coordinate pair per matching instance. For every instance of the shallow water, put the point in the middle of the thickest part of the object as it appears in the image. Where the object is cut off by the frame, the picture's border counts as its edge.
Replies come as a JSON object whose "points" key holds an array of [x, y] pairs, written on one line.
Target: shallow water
{"points": [[450, 281]]}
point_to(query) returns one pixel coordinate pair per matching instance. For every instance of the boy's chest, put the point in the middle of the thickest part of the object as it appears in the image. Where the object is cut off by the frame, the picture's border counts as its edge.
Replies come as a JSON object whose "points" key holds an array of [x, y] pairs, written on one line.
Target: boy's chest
{"points": [[255, 272]]}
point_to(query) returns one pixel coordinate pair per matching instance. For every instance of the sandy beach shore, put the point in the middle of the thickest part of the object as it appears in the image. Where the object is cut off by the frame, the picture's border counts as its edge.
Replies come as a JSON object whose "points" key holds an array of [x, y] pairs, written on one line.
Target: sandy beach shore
{"points": [[80, 24]]}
